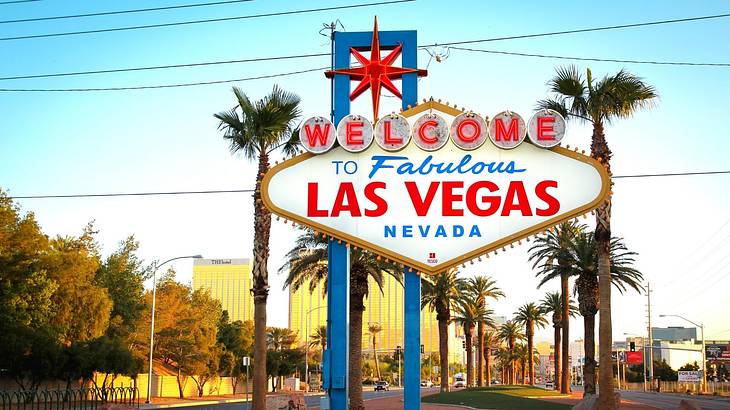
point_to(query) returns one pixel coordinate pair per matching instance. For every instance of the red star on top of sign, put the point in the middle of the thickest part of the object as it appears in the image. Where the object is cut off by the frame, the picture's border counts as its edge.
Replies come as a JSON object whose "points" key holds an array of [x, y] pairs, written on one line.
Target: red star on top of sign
{"points": [[375, 73]]}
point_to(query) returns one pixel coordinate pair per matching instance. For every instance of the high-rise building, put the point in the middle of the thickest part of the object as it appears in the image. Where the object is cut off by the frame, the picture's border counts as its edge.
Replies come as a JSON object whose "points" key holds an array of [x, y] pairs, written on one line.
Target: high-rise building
{"points": [[308, 310], [228, 281]]}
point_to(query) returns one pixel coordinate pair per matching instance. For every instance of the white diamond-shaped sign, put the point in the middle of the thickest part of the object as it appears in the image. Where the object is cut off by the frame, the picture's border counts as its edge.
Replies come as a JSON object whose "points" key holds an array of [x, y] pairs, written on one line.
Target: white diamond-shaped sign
{"points": [[434, 210]]}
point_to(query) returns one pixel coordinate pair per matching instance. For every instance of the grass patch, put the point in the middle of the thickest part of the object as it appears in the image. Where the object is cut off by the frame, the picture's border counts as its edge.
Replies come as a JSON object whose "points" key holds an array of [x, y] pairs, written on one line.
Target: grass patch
{"points": [[499, 397]]}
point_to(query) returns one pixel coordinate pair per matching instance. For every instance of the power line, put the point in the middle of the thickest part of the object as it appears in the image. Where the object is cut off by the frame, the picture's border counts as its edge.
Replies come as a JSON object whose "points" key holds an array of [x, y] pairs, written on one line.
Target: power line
{"points": [[117, 194], [676, 174], [16, 1], [609, 60], [147, 87], [260, 59], [160, 67], [203, 192], [190, 22], [109, 13], [584, 30]]}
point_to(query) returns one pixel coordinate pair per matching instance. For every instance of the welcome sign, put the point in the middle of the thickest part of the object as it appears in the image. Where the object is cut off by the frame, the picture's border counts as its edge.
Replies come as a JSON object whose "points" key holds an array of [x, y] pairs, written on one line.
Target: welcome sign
{"points": [[431, 193]]}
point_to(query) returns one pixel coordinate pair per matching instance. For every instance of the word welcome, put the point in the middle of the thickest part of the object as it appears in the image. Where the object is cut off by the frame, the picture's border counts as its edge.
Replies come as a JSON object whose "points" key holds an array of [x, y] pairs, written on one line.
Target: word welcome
{"points": [[430, 132]]}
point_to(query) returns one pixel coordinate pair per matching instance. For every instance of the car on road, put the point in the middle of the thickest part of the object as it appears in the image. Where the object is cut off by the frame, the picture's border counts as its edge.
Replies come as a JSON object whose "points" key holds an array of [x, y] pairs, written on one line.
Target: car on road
{"points": [[496, 382], [549, 384], [381, 386], [426, 383]]}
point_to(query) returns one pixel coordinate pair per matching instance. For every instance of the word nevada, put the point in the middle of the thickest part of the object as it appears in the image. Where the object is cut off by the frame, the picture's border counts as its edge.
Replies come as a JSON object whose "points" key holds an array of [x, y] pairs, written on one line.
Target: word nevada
{"points": [[430, 132]]}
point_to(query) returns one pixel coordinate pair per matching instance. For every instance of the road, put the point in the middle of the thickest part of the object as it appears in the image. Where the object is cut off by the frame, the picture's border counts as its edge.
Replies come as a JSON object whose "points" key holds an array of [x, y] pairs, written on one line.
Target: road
{"points": [[671, 401]]}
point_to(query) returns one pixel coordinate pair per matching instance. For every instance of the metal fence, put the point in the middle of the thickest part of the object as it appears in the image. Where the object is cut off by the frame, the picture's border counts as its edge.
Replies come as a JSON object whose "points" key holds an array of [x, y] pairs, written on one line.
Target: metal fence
{"points": [[62, 399], [721, 388]]}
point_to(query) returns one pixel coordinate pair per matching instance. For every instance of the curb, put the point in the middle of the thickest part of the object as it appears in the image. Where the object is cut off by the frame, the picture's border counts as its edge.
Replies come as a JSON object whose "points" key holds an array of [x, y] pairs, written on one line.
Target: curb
{"points": [[190, 403]]}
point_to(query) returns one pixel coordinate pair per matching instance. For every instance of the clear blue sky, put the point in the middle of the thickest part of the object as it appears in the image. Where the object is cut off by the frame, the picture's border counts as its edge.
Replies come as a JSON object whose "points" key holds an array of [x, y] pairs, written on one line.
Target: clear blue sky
{"points": [[56, 143]]}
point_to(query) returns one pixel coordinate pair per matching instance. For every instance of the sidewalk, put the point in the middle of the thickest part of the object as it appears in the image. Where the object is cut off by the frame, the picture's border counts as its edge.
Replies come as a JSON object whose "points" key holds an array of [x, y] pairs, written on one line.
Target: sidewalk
{"points": [[576, 397], [172, 402]]}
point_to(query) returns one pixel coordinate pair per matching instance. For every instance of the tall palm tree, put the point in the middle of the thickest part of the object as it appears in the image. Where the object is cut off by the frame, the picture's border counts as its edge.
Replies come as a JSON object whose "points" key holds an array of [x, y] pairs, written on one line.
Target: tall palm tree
{"points": [[599, 102], [373, 330], [280, 338], [480, 288], [440, 293], [468, 313], [553, 303], [522, 358], [256, 129], [530, 316], [490, 341], [319, 338], [510, 333], [307, 262], [585, 265], [551, 256]]}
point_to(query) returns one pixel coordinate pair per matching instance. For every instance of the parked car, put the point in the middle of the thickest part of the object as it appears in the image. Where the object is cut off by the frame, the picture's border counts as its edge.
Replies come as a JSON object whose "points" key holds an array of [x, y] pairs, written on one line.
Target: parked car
{"points": [[426, 383], [381, 386], [496, 382], [549, 384], [459, 383]]}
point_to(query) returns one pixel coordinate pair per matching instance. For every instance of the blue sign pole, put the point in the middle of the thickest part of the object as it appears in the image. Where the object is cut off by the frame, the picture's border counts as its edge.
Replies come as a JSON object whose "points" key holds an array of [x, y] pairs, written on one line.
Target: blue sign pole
{"points": [[338, 291], [412, 345]]}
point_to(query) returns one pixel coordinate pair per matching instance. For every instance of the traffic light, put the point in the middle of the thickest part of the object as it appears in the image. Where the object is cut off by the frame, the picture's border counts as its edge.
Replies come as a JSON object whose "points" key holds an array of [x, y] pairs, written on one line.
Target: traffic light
{"points": [[463, 344], [422, 349], [632, 346]]}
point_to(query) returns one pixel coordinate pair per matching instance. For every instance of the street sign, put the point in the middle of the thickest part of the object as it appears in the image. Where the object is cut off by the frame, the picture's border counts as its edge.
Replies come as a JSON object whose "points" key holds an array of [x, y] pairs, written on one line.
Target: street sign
{"points": [[433, 205], [246, 361], [634, 357], [689, 376]]}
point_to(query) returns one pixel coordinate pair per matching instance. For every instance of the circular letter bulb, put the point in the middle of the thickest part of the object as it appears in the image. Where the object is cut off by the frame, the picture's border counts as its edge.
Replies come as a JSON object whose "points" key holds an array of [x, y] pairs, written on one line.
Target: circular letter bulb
{"points": [[354, 133], [469, 131], [546, 128], [507, 130], [392, 132], [430, 132], [317, 135]]}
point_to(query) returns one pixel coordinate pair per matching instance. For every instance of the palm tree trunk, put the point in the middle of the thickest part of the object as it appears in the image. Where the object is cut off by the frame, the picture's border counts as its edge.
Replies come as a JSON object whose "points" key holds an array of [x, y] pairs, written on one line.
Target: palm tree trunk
{"points": [[260, 287], [480, 354], [556, 357], [375, 353], [601, 152], [523, 371], [487, 370], [444, 353], [565, 376], [589, 345], [469, 334], [530, 364], [355, 388]]}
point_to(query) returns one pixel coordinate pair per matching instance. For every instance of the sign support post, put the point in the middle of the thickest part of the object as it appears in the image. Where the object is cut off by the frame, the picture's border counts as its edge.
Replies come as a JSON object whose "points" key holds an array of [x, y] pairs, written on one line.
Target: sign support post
{"points": [[412, 345], [338, 324]]}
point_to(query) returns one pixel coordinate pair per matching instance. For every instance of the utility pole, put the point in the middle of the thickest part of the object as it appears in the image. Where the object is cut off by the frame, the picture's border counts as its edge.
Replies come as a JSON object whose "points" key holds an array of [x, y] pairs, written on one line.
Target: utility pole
{"points": [[651, 339]]}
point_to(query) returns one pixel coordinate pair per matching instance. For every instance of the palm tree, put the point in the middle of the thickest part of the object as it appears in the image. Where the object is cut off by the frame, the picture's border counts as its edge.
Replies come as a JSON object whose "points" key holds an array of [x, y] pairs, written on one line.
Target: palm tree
{"points": [[585, 265], [553, 303], [505, 359], [600, 102], [373, 330], [551, 256], [522, 358], [280, 338], [261, 128], [490, 341], [510, 333], [468, 313], [319, 338], [307, 262], [530, 316], [440, 293], [480, 288]]}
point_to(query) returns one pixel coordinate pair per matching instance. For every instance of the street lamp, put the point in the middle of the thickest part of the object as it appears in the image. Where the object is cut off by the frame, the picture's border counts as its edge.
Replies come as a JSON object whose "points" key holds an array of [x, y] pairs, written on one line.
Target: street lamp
{"points": [[152, 322], [306, 343], [704, 359]]}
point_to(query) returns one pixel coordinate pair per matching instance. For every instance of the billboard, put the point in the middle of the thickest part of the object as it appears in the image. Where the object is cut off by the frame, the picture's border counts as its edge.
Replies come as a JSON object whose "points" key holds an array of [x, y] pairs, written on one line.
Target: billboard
{"points": [[634, 357], [689, 376], [430, 195], [718, 353]]}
